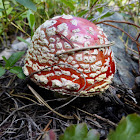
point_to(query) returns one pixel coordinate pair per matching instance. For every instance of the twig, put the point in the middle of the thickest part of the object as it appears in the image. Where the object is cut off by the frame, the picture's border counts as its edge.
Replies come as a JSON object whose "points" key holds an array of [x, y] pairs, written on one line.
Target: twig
{"points": [[97, 116], [85, 48], [122, 31], [41, 100], [91, 8], [45, 129], [126, 22], [12, 113], [64, 37]]}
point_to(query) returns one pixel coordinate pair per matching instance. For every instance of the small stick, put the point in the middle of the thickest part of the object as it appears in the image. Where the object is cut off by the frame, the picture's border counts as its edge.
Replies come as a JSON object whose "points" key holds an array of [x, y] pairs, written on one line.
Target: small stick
{"points": [[85, 48], [64, 37], [97, 116], [126, 22]]}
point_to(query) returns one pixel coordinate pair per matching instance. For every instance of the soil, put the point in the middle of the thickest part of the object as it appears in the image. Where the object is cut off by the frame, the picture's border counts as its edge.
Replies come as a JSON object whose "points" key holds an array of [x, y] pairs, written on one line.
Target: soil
{"points": [[22, 116]]}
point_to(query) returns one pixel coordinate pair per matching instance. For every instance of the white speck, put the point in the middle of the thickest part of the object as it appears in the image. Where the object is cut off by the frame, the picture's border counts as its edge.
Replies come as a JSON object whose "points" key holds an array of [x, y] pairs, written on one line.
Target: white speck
{"points": [[57, 39], [34, 67], [51, 62], [66, 72], [76, 30], [25, 70], [87, 71], [104, 69], [58, 73], [83, 75], [52, 50], [105, 35], [76, 45], [75, 76], [109, 79], [65, 33], [51, 46], [92, 90], [56, 84], [74, 38], [91, 31], [79, 57], [62, 26], [106, 41], [101, 77], [41, 78], [45, 49], [43, 41], [67, 16], [87, 36], [95, 52], [86, 52], [81, 70], [84, 66], [93, 75], [86, 59], [76, 66], [59, 45], [51, 31], [90, 81], [74, 22], [100, 32], [92, 59], [106, 87], [98, 63], [109, 51], [51, 39], [70, 58], [49, 23], [94, 68], [67, 45], [98, 72], [73, 62], [107, 62], [86, 44], [49, 74], [99, 28], [56, 17]]}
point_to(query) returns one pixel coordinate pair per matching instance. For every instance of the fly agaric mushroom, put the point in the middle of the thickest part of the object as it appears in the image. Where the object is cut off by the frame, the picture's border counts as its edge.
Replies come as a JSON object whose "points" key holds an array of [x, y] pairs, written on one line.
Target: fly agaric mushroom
{"points": [[68, 55]]}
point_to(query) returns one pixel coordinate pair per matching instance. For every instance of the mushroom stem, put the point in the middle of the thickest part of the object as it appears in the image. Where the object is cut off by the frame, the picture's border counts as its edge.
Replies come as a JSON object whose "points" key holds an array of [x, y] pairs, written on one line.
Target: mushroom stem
{"points": [[85, 48]]}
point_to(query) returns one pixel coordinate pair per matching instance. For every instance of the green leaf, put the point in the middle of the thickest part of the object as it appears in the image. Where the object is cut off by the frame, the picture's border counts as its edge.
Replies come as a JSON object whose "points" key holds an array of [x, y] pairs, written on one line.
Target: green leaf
{"points": [[28, 4], [2, 71], [79, 132], [127, 129], [100, 9], [31, 20], [9, 10], [107, 15], [23, 40], [14, 58], [18, 71], [69, 3], [6, 61], [80, 14]]}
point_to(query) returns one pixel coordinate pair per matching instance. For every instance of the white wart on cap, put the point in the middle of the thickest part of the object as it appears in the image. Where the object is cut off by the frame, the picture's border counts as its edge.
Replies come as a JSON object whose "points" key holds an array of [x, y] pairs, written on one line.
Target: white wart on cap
{"points": [[87, 71]]}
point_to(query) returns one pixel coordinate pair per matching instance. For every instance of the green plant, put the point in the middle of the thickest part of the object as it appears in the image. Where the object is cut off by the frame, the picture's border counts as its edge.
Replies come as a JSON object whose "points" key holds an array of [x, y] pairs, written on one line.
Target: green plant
{"points": [[127, 129], [9, 65], [80, 131]]}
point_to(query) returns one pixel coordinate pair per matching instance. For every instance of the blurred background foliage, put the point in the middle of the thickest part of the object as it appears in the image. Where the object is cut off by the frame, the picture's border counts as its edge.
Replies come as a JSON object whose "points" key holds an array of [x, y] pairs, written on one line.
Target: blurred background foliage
{"points": [[25, 16]]}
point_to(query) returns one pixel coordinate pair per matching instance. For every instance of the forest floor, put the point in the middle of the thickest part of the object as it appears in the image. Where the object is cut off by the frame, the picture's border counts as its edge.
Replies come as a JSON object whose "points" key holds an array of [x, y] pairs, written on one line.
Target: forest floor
{"points": [[22, 116]]}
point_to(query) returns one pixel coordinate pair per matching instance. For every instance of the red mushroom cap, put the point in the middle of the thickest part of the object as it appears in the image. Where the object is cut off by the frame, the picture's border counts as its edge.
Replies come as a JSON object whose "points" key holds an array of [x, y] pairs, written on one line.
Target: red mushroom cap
{"points": [[84, 72]]}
